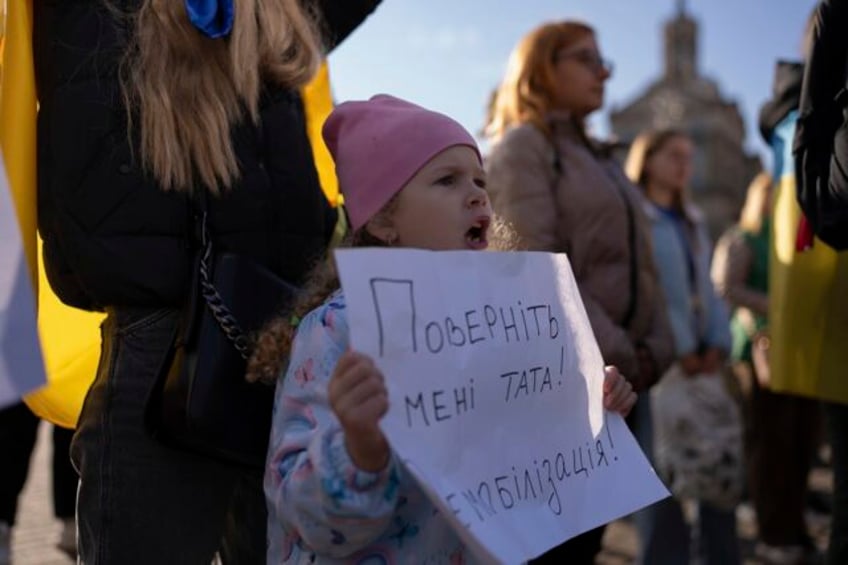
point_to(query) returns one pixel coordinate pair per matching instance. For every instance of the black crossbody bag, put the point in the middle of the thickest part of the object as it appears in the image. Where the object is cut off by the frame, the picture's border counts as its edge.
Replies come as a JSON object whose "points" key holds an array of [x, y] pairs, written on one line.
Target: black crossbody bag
{"points": [[201, 401]]}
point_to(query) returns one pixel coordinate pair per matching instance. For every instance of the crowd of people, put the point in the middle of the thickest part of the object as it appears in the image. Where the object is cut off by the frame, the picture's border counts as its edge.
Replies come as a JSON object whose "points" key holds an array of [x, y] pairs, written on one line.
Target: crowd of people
{"points": [[172, 99]]}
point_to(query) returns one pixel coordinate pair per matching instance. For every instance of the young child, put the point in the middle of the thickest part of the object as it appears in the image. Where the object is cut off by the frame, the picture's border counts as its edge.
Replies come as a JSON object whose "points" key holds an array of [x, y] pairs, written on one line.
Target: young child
{"points": [[335, 491]]}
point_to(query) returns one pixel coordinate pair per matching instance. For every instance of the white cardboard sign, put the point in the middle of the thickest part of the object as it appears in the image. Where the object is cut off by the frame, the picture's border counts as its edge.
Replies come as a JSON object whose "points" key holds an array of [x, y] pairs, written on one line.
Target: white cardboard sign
{"points": [[495, 390]]}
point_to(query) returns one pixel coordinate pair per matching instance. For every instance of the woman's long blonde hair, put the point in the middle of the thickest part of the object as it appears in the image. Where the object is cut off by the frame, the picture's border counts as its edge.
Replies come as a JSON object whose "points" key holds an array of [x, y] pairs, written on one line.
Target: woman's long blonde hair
{"points": [[526, 93], [755, 209], [187, 91]]}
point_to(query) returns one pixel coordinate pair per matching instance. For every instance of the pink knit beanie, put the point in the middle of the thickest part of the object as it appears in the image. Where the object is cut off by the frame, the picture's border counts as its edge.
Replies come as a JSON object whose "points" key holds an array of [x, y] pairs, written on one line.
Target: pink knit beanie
{"points": [[379, 144]]}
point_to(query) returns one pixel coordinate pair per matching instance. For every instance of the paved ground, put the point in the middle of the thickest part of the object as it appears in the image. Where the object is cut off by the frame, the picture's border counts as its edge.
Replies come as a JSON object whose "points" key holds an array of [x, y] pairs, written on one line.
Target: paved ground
{"points": [[37, 531], [620, 539], [34, 540]]}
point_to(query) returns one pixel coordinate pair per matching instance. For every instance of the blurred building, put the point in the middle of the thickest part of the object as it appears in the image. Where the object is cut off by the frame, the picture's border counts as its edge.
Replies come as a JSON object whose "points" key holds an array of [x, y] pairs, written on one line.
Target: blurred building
{"points": [[684, 99]]}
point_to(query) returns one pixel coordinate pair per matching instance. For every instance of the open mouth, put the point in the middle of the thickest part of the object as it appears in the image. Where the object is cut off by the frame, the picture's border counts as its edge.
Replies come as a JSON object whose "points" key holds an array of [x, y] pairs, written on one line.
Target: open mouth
{"points": [[475, 237]]}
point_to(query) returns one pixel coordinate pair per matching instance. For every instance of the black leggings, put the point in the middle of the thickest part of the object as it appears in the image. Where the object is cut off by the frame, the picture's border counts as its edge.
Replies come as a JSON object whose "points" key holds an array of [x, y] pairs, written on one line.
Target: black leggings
{"points": [[18, 434], [579, 550]]}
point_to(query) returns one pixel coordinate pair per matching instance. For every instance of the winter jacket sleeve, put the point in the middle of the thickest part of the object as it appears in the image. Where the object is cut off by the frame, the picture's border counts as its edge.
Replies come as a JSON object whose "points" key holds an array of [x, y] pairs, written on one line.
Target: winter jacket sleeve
{"points": [[677, 293], [613, 341], [313, 486], [342, 17], [821, 139], [732, 263], [521, 183], [833, 225], [521, 179], [659, 341]]}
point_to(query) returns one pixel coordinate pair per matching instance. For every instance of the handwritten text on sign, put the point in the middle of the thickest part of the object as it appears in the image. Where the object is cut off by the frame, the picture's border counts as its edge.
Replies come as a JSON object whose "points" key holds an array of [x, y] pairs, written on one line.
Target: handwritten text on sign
{"points": [[495, 385]]}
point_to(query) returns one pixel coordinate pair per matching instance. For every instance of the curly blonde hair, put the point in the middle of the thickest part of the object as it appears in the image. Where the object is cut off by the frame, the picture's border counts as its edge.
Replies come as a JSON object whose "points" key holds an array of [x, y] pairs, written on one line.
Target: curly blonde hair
{"points": [[273, 344], [757, 201], [187, 91], [271, 352]]}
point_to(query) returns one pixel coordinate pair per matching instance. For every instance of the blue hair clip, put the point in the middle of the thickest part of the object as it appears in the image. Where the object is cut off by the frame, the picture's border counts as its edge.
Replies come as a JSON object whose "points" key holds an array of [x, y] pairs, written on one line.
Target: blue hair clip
{"points": [[214, 18]]}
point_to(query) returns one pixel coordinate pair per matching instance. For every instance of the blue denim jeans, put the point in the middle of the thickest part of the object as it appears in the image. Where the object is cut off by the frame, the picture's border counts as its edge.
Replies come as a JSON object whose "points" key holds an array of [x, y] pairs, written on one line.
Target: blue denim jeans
{"points": [[664, 536], [671, 541], [641, 424], [140, 501]]}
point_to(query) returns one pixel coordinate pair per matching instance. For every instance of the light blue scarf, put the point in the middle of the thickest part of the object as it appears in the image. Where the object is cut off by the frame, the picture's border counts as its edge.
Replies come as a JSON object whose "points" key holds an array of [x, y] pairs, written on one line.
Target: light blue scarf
{"points": [[213, 18]]}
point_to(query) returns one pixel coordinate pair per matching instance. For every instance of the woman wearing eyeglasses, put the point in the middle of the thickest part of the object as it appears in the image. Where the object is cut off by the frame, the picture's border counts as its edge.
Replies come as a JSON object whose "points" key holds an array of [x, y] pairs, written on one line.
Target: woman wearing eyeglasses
{"points": [[563, 192]]}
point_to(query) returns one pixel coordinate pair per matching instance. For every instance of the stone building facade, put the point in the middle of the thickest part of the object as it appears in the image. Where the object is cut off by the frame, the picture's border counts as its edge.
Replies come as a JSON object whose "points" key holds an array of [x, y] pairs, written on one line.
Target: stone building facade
{"points": [[684, 99]]}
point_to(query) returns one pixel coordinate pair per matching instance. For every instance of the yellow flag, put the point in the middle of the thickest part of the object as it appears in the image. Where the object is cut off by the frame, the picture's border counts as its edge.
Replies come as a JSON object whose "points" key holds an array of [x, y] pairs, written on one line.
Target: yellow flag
{"points": [[17, 119], [808, 307], [70, 338], [318, 100]]}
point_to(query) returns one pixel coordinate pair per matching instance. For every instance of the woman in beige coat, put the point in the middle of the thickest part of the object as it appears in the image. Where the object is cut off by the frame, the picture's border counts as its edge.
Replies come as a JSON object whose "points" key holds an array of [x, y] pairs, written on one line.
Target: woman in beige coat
{"points": [[563, 192]]}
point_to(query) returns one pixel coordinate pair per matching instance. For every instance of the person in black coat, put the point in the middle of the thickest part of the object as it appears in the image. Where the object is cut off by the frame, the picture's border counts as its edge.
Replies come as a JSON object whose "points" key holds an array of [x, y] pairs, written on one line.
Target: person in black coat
{"points": [[820, 149], [821, 139], [144, 104]]}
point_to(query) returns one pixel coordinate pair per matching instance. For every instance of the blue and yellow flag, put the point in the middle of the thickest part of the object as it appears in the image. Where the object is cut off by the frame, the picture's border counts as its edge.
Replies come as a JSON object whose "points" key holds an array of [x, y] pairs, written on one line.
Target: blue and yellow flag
{"points": [[808, 296], [70, 338]]}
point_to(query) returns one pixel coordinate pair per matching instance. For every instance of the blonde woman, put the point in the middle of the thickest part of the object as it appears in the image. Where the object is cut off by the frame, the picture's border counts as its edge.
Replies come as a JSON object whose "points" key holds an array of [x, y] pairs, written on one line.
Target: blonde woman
{"points": [[143, 105], [563, 192], [782, 429]]}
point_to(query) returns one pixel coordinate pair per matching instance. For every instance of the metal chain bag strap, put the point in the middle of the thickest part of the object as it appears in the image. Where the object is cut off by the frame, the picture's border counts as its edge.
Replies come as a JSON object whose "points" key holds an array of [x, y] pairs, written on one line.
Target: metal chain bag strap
{"points": [[218, 308], [201, 401]]}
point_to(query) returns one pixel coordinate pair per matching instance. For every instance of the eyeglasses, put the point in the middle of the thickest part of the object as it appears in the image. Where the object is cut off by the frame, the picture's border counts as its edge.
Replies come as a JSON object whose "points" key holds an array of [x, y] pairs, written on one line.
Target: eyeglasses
{"points": [[590, 59]]}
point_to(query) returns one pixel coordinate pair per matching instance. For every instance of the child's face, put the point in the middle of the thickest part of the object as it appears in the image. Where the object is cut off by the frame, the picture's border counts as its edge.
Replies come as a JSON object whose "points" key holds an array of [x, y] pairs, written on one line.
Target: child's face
{"points": [[445, 205]]}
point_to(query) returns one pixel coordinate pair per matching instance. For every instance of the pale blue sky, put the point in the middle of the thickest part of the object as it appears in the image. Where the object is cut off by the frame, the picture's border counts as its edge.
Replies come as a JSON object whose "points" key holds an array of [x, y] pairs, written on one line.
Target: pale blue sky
{"points": [[448, 54]]}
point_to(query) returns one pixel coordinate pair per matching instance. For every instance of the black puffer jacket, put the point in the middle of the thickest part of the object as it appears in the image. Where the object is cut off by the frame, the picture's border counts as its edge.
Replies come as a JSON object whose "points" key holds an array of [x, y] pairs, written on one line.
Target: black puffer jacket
{"points": [[112, 237], [821, 138]]}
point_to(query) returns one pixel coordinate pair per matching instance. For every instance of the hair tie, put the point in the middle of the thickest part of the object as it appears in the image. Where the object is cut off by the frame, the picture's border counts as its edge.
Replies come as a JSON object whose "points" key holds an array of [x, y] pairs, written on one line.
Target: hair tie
{"points": [[213, 18]]}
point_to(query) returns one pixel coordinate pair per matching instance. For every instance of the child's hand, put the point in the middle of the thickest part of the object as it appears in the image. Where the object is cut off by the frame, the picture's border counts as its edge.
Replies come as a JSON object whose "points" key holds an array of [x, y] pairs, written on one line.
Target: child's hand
{"points": [[618, 393], [358, 397]]}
